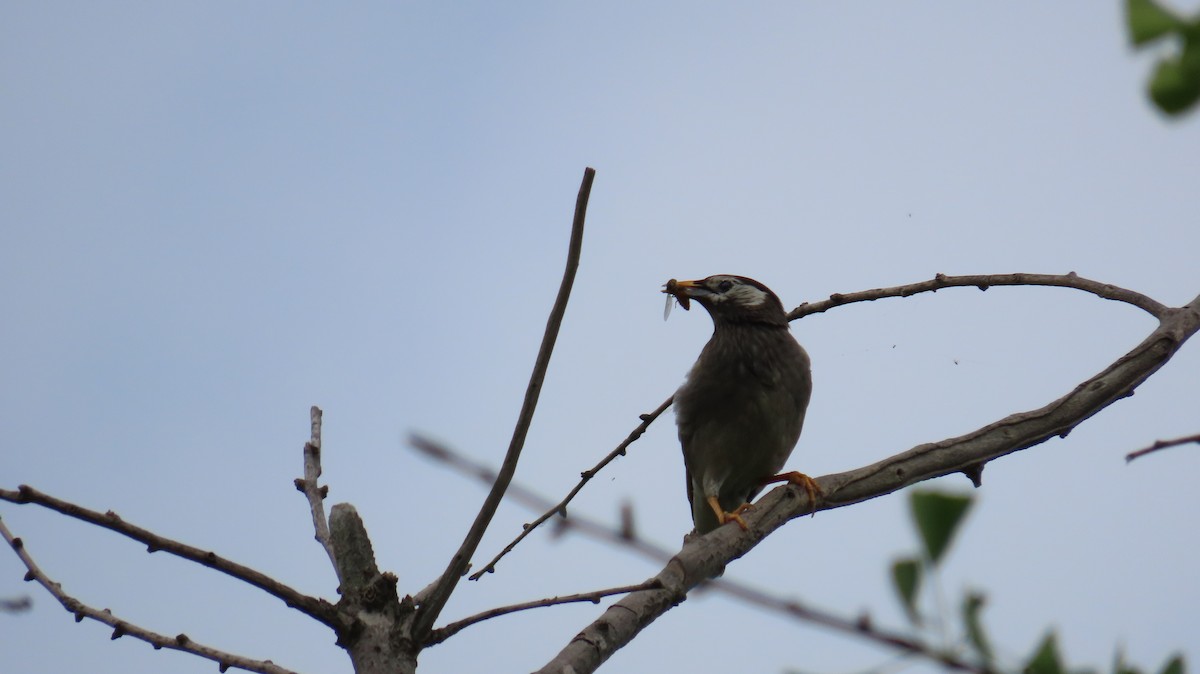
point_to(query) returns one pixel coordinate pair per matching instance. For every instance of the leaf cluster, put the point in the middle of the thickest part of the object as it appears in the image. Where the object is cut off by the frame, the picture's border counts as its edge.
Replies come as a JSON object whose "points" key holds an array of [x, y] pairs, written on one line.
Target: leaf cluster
{"points": [[937, 517], [1175, 85]]}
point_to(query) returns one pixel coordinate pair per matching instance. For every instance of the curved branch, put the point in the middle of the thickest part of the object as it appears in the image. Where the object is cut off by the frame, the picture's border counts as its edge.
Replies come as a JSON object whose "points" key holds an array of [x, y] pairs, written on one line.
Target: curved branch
{"points": [[440, 594], [318, 609], [122, 628], [560, 508], [705, 557], [983, 282]]}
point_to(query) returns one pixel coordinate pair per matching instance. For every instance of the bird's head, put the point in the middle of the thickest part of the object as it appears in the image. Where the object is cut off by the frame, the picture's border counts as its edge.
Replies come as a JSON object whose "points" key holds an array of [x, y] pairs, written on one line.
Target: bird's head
{"points": [[732, 299]]}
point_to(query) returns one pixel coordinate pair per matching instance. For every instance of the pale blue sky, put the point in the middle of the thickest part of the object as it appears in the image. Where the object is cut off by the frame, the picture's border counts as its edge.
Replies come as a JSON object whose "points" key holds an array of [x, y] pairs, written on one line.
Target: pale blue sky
{"points": [[215, 215]]}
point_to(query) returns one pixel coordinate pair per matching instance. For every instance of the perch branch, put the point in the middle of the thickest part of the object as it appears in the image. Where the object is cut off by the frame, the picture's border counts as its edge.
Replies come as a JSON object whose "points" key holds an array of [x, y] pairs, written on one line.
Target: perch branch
{"points": [[1162, 444], [315, 493], [122, 628], [705, 557], [440, 594], [789, 608], [319, 609], [560, 508], [442, 633], [983, 282]]}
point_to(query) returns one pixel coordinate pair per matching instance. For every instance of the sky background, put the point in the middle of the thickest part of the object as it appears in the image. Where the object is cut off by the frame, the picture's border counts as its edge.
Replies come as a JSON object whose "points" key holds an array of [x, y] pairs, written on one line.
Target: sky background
{"points": [[214, 215]]}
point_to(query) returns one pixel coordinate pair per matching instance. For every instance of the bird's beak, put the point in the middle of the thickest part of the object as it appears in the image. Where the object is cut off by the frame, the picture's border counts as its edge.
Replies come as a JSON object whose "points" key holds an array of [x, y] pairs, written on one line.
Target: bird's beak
{"points": [[684, 291]]}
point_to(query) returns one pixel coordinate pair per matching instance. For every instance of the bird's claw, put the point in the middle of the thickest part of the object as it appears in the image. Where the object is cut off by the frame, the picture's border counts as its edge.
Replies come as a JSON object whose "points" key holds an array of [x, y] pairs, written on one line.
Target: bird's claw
{"points": [[799, 479], [736, 515], [725, 517]]}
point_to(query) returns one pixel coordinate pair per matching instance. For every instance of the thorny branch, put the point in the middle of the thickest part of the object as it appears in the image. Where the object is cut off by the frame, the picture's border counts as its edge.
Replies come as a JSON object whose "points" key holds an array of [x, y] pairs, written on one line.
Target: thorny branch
{"points": [[122, 628], [560, 508], [429, 611]]}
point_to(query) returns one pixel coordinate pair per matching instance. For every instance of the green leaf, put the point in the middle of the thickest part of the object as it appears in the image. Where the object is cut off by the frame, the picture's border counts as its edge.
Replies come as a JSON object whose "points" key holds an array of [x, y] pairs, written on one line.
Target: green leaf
{"points": [[937, 516], [972, 604], [1046, 659], [1149, 21], [1174, 665], [1174, 87], [906, 577]]}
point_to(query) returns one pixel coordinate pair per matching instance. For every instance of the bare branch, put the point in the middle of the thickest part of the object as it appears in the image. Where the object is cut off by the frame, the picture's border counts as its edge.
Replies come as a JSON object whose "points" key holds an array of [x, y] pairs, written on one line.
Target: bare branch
{"points": [[315, 493], [122, 628], [534, 501], [1162, 444], [705, 557], [790, 608], [560, 508], [319, 609], [429, 611], [861, 626], [441, 634], [983, 282]]}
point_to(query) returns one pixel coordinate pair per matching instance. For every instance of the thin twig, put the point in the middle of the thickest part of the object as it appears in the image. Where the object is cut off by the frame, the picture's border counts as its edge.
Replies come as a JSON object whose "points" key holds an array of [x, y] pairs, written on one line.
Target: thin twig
{"points": [[983, 282], [1162, 444], [560, 508], [442, 633], [429, 611], [534, 501], [862, 626], [315, 493], [15, 605], [791, 608], [122, 628], [318, 609]]}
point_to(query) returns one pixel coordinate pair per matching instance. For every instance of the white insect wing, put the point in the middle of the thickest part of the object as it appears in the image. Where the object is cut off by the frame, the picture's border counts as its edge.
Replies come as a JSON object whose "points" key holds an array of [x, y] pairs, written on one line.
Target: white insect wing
{"points": [[667, 309]]}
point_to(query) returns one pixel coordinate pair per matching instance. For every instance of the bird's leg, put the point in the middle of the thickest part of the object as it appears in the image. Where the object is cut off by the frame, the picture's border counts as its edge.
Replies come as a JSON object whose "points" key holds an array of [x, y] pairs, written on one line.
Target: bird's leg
{"points": [[725, 517], [801, 480]]}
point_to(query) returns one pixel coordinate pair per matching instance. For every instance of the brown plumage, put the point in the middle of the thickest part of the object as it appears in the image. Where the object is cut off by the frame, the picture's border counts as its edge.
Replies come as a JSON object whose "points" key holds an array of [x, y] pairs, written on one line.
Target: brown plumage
{"points": [[741, 409]]}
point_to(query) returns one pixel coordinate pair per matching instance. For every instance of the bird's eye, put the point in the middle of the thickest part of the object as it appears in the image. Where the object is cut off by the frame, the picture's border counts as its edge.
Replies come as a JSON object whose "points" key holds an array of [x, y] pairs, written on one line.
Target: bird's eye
{"points": [[725, 285]]}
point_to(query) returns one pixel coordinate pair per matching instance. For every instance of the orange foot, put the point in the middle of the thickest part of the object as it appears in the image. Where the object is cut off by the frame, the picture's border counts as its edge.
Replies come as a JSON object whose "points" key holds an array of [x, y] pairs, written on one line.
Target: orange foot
{"points": [[726, 517], [801, 480]]}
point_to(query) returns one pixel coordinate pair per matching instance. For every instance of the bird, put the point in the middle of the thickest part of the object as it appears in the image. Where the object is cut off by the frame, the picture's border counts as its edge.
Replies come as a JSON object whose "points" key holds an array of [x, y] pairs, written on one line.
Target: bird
{"points": [[741, 408]]}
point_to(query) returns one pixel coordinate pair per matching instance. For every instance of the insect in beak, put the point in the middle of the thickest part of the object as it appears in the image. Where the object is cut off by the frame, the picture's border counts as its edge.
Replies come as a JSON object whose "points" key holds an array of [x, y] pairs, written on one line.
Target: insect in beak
{"points": [[675, 291]]}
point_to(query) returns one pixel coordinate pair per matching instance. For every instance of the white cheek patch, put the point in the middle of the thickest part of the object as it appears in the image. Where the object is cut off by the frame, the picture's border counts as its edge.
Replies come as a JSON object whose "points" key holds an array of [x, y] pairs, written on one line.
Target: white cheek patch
{"points": [[746, 295]]}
